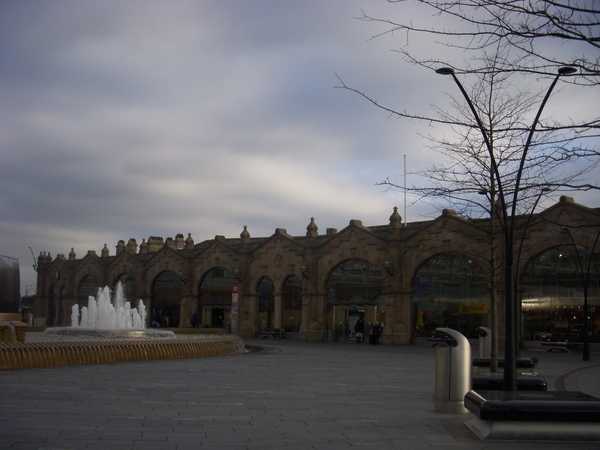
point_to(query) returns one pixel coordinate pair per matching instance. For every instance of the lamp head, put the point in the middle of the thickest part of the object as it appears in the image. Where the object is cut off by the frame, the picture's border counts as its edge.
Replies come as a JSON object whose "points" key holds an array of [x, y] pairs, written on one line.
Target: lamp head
{"points": [[445, 71], [567, 70]]}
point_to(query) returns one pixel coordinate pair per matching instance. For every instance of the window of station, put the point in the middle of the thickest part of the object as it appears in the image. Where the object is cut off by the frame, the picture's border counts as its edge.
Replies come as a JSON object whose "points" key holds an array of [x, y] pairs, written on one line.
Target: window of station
{"points": [[451, 291], [292, 305], [552, 300]]}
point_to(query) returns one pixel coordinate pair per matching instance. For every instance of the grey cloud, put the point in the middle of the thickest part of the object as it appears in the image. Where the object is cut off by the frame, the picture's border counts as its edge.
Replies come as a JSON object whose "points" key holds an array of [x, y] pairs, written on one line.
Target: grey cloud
{"points": [[138, 118]]}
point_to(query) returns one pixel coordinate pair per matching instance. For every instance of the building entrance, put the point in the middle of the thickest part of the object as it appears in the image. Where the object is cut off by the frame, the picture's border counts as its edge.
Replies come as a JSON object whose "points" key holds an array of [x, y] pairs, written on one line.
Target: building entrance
{"points": [[218, 317], [345, 317]]}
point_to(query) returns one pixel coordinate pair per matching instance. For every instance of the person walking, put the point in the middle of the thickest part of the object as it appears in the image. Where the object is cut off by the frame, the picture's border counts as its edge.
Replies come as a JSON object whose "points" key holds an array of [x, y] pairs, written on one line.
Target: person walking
{"points": [[359, 330]]}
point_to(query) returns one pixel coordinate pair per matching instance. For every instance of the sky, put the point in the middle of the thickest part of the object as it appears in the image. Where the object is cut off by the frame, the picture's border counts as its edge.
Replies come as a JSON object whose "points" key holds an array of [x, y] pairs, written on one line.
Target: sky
{"points": [[132, 119]]}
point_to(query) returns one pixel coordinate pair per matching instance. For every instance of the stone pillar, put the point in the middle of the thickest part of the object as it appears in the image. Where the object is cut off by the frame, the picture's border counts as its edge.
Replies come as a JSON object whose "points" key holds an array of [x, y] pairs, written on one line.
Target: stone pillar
{"points": [[399, 319], [316, 326], [189, 304], [247, 318], [278, 310]]}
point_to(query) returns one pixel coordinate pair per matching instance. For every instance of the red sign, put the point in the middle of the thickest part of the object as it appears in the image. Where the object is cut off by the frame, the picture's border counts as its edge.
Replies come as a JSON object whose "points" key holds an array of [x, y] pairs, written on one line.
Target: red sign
{"points": [[235, 288]]}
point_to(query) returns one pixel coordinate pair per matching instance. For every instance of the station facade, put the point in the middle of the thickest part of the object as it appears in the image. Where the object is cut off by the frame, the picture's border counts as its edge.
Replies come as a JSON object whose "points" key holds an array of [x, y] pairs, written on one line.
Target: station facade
{"points": [[410, 277]]}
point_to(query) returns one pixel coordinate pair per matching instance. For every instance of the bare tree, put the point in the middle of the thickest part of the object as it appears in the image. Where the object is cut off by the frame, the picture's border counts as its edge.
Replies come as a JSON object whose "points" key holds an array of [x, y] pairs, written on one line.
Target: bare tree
{"points": [[533, 29], [497, 149]]}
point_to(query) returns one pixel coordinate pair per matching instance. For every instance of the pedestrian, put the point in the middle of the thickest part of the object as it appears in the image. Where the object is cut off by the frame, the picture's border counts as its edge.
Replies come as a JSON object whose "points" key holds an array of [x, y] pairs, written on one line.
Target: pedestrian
{"points": [[375, 333], [194, 320], [359, 330]]}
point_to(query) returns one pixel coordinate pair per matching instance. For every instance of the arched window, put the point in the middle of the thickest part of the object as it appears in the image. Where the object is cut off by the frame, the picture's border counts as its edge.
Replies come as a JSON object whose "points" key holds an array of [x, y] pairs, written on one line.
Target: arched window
{"points": [[354, 290], [266, 304], [166, 300], [450, 290], [292, 305], [87, 288], [64, 313], [130, 288], [552, 298], [215, 298]]}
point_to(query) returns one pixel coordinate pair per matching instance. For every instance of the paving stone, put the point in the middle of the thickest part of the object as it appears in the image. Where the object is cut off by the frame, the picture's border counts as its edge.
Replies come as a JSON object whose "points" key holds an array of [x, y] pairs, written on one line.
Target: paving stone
{"points": [[293, 395]]}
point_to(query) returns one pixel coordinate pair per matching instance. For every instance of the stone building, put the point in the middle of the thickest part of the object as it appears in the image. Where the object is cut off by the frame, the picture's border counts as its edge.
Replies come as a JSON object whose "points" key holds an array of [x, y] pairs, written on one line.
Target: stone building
{"points": [[412, 277]]}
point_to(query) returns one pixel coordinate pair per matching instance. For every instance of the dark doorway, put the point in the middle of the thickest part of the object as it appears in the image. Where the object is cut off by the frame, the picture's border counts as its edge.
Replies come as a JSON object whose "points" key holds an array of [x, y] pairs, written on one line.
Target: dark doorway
{"points": [[218, 317]]}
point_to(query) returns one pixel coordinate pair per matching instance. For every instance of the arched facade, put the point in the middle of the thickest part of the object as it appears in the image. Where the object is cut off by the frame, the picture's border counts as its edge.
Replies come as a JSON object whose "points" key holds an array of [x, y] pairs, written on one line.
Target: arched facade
{"points": [[450, 290], [555, 285], [307, 285], [355, 290]]}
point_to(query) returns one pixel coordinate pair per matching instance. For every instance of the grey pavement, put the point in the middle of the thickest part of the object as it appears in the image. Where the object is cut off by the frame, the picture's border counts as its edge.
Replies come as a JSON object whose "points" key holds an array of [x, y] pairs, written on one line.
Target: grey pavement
{"points": [[288, 394]]}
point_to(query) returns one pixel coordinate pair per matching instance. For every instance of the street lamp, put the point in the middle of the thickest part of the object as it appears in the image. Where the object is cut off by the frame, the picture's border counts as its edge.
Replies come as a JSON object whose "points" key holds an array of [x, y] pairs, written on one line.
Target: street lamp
{"points": [[493, 278], [585, 276], [508, 222]]}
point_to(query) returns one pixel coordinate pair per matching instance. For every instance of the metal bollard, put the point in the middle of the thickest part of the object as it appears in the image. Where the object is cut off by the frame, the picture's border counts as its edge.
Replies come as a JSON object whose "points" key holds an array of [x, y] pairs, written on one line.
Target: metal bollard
{"points": [[485, 343], [453, 375]]}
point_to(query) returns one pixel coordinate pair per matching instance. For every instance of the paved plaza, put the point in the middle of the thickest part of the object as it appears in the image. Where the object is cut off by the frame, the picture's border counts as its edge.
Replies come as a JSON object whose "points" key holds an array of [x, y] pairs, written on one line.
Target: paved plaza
{"points": [[285, 395]]}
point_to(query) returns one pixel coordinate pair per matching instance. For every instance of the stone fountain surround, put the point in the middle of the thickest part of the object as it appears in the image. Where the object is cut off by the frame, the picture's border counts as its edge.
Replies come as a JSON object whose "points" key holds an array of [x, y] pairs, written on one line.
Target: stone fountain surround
{"points": [[187, 344]]}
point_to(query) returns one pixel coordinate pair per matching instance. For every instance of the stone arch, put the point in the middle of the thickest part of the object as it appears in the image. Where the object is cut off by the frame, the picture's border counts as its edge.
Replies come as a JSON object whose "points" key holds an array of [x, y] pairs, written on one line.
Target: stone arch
{"points": [[130, 287], [214, 297], [553, 295], [354, 289], [450, 290], [63, 313], [88, 286], [265, 304], [165, 304], [291, 304]]}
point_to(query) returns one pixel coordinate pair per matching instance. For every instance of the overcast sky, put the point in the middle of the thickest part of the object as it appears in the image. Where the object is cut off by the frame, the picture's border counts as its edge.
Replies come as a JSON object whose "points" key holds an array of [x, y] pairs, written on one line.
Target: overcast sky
{"points": [[151, 118]]}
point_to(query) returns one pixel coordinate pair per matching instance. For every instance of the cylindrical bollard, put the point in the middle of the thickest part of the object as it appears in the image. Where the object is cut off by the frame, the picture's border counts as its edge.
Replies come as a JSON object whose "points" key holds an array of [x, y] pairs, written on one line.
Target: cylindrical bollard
{"points": [[453, 375], [485, 343]]}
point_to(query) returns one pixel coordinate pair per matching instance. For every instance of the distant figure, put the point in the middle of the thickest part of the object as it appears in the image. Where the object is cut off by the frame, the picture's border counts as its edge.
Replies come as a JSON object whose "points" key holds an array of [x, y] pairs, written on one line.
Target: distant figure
{"points": [[376, 333], [359, 330], [155, 318], [194, 320]]}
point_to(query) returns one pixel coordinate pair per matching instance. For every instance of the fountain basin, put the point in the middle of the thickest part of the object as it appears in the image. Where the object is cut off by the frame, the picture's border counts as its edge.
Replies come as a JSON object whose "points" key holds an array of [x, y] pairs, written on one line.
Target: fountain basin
{"points": [[116, 334], [23, 355]]}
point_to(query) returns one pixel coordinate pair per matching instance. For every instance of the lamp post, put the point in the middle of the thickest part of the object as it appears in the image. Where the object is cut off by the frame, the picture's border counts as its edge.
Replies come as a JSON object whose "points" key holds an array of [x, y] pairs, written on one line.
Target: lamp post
{"points": [[529, 217], [493, 277], [508, 222], [585, 276]]}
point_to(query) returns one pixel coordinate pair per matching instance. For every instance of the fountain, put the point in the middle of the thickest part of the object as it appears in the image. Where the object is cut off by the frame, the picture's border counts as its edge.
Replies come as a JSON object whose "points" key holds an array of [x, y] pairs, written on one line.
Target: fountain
{"points": [[109, 317], [109, 332]]}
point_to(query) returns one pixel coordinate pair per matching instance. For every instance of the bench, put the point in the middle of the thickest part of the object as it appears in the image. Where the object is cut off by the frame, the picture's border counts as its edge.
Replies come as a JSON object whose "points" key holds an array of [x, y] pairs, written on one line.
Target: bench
{"points": [[520, 362], [561, 346], [547, 415], [275, 333], [496, 383]]}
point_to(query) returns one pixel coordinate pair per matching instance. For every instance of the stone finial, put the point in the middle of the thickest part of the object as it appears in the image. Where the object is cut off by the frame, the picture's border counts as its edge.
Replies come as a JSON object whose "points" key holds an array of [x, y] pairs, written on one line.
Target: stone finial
{"points": [[312, 230], [189, 242], [144, 246], [566, 199], [155, 243], [105, 252], [132, 245], [395, 219], [120, 247], [245, 235], [72, 255]]}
